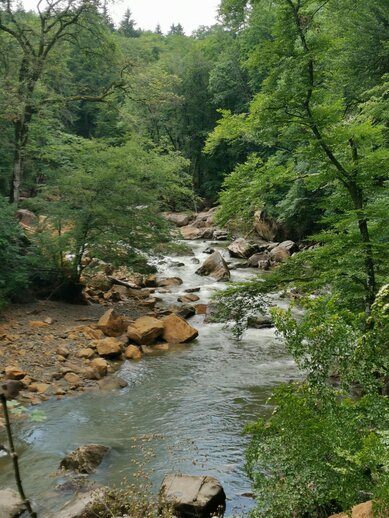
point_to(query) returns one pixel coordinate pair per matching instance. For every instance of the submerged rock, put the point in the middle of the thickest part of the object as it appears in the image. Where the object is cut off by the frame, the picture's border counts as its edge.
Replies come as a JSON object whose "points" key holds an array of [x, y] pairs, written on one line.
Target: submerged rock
{"points": [[84, 459], [81, 505], [192, 496]]}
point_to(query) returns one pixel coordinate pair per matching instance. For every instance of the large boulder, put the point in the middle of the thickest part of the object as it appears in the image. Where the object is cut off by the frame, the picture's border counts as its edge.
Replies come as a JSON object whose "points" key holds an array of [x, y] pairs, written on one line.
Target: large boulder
{"points": [[27, 219], [177, 330], [145, 330], [191, 232], [216, 267], [100, 366], [256, 258], [242, 248], [107, 347], [283, 251], [267, 228], [205, 219], [192, 496], [180, 219], [364, 510], [133, 353], [111, 324], [84, 459], [11, 505]]}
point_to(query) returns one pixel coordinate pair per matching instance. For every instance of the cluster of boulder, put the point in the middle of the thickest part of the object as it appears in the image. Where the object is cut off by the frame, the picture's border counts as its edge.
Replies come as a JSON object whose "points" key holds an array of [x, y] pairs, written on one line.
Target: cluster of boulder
{"points": [[187, 496], [97, 349], [263, 254], [267, 248], [197, 226]]}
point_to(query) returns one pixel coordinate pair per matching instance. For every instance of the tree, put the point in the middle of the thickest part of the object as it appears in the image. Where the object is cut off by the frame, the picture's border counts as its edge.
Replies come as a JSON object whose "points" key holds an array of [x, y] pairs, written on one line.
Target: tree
{"points": [[13, 263], [177, 30], [36, 38], [319, 121], [104, 200], [127, 26], [316, 132]]}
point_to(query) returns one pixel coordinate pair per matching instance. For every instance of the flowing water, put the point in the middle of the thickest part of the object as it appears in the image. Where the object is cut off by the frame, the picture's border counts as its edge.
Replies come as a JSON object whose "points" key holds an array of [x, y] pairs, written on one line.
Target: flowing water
{"points": [[183, 410]]}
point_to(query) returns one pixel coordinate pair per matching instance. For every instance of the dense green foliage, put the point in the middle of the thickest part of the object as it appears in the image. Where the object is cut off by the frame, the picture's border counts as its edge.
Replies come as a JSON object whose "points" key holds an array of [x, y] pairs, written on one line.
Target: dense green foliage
{"points": [[13, 266], [319, 165]]}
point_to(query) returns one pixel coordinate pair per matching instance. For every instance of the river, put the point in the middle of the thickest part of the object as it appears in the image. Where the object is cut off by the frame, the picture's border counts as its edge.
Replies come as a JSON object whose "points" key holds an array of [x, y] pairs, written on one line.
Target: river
{"points": [[183, 410]]}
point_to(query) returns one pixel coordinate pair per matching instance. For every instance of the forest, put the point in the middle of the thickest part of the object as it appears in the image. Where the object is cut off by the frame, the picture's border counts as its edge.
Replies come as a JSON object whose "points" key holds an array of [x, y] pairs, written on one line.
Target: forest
{"points": [[280, 107]]}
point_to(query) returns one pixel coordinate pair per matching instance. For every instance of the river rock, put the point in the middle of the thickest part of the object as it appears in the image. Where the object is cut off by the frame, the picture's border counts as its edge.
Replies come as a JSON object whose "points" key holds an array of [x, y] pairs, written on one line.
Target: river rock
{"points": [[133, 353], [220, 235], [112, 383], [192, 496], [116, 293], [41, 388], [145, 330], [100, 365], [283, 251], [112, 324], [190, 232], [11, 388], [201, 309], [85, 352], [183, 310], [254, 260], [267, 228], [73, 379], [80, 506], [216, 267], [151, 281], [364, 510], [180, 219], [11, 505], [260, 321], [242, 248], [205, 219], [108, 347], [177, 330], [84, 459], [170, 281], [14, 373], [189, 297], [192, 290]]}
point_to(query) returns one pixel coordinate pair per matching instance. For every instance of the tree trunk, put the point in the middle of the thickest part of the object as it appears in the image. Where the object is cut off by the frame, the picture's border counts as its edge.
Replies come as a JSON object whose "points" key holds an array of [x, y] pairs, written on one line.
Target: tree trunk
{"points": [[356, 196], [21, 138]]}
